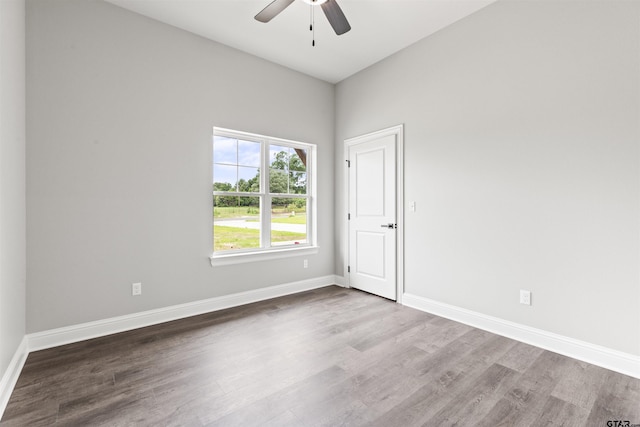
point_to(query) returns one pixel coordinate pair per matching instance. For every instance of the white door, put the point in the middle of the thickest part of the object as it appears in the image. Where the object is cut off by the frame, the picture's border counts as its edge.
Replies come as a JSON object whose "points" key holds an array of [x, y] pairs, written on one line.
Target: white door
{"points": [[372, 215]]}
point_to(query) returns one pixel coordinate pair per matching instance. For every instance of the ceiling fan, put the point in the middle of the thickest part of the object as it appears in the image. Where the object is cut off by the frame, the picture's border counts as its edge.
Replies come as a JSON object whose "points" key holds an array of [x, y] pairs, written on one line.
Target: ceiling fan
{"points": [[330, 8]]}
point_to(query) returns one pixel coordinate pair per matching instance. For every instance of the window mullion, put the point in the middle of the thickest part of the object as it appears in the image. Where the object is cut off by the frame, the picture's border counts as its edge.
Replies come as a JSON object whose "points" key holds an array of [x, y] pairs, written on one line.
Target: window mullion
{"points": [[265, 211]]}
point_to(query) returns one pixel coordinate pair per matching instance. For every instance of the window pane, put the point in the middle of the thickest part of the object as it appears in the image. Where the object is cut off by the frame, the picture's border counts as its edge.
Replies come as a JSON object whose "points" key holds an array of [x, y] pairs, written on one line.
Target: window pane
{"points": [[279, 157], [225, 177], [236, 223], [225, 150], [287, 164], [297, 183], [249, 153], [298, 160], [278, 181], [288, 221], [249, 181]]}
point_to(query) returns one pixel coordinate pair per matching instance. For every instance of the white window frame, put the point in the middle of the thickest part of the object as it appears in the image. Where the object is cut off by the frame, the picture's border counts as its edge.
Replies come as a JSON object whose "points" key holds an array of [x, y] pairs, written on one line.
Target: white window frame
{"points": [[266, 251]]}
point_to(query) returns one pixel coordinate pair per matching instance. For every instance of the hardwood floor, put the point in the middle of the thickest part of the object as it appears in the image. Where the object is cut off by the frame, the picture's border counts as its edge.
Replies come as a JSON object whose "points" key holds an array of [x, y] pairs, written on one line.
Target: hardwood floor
{"points": [[329, 357]]}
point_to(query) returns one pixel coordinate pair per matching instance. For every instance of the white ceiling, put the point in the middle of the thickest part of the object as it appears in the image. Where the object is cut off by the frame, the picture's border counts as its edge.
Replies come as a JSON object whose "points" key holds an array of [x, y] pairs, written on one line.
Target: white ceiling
{"points": [[379, 28]]}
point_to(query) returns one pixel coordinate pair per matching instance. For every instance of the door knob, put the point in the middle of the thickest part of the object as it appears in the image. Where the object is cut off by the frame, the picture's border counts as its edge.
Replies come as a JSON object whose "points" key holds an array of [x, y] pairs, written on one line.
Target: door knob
{"points": [[390, 225]]}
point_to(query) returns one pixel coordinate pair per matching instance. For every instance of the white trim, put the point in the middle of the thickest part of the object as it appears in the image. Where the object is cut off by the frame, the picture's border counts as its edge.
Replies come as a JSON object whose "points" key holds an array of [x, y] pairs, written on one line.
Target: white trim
{"points": [[345, 217], [400, 212], [614, 360], [10, 376], [265, 255], [256, 137], [398, 131], [85, 331]]}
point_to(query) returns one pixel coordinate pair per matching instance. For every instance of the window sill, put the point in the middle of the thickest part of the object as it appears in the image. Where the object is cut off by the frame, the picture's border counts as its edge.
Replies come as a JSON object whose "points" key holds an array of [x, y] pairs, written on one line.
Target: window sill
{"points": [[266, 255]]}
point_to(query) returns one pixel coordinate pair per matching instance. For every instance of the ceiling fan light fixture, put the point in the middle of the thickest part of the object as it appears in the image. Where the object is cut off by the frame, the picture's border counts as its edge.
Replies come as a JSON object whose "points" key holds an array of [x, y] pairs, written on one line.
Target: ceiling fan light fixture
{"points": [[314, 2]]}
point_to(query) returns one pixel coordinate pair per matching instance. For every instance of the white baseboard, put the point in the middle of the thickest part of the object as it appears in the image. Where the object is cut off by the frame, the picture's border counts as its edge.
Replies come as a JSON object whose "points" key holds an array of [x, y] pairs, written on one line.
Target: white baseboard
{"points": [[85, 331], [10, 377], [614, 360]]}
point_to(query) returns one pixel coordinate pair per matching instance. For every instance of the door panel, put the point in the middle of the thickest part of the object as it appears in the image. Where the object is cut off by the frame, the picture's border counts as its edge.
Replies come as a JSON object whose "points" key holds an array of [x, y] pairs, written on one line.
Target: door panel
{"points": [[372, 207], [370, 253], [369, 197]]}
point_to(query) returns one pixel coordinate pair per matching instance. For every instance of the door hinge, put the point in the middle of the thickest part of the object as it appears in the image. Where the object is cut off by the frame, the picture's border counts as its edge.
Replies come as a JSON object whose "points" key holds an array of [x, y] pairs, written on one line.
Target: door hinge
{"points": [[348, 163], [349, 216], [348, 269]]}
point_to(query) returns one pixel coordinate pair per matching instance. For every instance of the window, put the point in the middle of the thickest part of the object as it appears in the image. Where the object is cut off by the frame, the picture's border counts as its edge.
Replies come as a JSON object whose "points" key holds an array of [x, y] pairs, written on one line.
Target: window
{"points": [[263, 196]]}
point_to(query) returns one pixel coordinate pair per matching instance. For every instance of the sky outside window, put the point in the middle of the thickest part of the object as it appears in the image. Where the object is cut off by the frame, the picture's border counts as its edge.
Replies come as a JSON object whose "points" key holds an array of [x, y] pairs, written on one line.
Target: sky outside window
{"points": [[235, 160]]}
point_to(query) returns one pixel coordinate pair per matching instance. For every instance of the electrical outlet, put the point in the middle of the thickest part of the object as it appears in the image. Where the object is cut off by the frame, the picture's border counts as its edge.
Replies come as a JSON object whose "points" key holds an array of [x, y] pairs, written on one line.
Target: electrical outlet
{"points": [[525, 297], [306, 263], [136, 289]]}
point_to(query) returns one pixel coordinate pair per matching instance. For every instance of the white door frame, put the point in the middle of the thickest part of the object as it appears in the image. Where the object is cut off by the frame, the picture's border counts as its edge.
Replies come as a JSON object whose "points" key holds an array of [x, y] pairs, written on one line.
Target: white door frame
{"points": [[398, 131]]}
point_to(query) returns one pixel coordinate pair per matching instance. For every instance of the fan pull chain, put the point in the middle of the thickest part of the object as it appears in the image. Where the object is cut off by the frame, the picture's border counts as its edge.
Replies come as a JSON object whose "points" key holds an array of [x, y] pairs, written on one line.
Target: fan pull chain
{"points": [[313, 26]]}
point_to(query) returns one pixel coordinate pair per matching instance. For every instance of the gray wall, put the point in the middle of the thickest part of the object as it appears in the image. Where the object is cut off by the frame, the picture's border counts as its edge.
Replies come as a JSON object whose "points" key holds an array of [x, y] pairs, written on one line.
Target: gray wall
{"points": [[12, 179], [120, 110], [522, 155]]}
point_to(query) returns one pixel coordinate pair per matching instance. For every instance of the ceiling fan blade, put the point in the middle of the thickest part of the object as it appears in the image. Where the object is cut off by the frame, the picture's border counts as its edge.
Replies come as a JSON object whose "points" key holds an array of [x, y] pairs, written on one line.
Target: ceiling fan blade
{"points": [[336, 17], [274, 8]]}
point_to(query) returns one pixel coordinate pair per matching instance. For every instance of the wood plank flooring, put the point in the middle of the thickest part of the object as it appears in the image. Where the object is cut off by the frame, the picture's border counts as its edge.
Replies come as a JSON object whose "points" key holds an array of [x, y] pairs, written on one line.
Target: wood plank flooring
{"points": [[328, 357]]}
